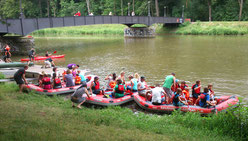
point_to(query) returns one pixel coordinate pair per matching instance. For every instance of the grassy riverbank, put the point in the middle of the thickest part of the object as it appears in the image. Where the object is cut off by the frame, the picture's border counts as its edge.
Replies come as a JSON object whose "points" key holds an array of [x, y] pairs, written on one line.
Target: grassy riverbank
{"points": [[213, 28], [35, 117]]}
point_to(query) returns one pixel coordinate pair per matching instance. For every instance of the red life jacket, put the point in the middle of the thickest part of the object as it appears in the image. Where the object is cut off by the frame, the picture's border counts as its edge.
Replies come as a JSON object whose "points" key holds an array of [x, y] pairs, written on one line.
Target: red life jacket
{"points": [[183, 87], [96, 85], [57, 82], [46, 81], [174, 89], [197, 91], [120, 89]]}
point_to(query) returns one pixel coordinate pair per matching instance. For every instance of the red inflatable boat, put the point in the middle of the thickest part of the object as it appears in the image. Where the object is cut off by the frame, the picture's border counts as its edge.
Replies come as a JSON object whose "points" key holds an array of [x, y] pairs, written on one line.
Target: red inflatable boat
{"points": [[100, 100], [63, 90], [44, 57], [223, 103]]}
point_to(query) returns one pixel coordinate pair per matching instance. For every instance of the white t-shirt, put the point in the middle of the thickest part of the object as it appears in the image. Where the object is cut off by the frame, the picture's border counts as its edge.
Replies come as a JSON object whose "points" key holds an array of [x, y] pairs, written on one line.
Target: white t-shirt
{"points": [[157, 92]]}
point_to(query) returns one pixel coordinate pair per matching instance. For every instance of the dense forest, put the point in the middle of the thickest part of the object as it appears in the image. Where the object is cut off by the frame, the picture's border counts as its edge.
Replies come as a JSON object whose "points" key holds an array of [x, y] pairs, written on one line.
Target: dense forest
{"points": [[203, 10]]}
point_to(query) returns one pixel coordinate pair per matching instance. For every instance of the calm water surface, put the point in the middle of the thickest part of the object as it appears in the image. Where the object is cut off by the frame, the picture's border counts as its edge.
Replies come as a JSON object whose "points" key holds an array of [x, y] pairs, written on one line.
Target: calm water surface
{"points": [[221, 60]]}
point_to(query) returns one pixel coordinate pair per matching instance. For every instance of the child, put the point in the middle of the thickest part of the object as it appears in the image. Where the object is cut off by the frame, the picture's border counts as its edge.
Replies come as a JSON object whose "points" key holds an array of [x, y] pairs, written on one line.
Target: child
{"points": [[77, 79], [46, 82], [211, 93], [183, 85], [177, 101], [196, 90], [204, 99]]}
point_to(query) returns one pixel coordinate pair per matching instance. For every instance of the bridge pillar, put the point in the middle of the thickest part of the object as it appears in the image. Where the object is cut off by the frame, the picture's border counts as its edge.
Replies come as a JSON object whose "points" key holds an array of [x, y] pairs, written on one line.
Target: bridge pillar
{"points": [[139, 32], [18, 45]]}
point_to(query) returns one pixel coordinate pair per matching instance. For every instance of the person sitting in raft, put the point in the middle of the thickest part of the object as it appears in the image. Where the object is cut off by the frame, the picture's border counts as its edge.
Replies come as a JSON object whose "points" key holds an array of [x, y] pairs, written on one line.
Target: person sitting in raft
{"points": [[122, 77], [142, 87], [41, 76], [177, 101], [7, 54], [111, 81], [156, 93], [81, 75], [119, 89], [55, 71], [137, 77], [74, 71], [69, 79], [46, 82], [95, 87], [174, 87], [77, 96], [183, 85], [185, 94], [211, 93], [20, 79], [48, 54], [204, 99], [49, 63], [134, 84], [77, 80], [196, 90], [56, 82]]}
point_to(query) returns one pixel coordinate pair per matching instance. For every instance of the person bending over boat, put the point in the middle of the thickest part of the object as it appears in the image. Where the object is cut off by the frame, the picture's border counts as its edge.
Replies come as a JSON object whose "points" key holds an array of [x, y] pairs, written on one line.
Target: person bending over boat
{"points": [[204, 99], [31, 55], [49, 63], [183, 85], [56, 82], [169, 81], [20, 79], [46, 82], [196, 90], [111, 81], [142, 87], [69, 79], [77, 96], [95, 87], [177, 101], [119, 89], [157, 93]]}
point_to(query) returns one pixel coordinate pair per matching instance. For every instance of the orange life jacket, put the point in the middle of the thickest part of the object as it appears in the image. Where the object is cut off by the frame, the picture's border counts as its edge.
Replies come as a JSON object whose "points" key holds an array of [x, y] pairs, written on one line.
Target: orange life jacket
{"points": [[77, 80]]}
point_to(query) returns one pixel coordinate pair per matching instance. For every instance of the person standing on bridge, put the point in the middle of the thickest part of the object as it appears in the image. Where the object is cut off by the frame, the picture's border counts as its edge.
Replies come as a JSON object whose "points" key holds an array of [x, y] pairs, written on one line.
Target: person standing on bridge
{"points": [[78, 14]]}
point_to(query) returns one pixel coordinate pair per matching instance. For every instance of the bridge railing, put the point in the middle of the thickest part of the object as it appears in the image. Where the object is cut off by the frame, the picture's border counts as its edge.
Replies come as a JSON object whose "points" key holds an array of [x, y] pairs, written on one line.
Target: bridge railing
{"points": [[26, 26]]}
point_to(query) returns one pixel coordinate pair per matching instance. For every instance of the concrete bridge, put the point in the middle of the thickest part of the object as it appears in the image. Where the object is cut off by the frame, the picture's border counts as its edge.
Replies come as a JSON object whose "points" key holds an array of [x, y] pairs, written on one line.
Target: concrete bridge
{"points": [[25, 26]]}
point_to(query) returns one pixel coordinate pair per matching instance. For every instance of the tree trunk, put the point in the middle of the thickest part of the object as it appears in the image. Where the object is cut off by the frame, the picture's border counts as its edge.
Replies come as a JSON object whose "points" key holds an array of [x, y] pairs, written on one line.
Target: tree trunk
{"points": [[186, 4], [88, 5], [48, 8], [157, 8], [40, 8], [209, 10], [115, 7], [133, 5], [240, 8], [121, 7]]}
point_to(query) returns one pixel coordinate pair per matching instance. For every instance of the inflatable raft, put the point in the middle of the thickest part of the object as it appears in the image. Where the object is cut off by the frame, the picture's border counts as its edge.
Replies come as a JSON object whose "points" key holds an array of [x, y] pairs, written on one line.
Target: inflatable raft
{"points": [[102, 101], [44, 57], [13, 64], [224, 102], [60, 91]]}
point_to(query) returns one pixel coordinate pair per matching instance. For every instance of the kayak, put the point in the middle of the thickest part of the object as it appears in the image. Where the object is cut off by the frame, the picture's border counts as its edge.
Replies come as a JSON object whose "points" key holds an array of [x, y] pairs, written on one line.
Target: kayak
{"points": [[44, 57], [60, 91], [103, 101], [224, 102], [14, 64]]}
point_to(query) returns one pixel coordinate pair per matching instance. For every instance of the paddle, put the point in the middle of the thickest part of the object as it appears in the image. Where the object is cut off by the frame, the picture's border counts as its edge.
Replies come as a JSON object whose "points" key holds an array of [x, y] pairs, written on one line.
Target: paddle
{"points": [[54, 52]]}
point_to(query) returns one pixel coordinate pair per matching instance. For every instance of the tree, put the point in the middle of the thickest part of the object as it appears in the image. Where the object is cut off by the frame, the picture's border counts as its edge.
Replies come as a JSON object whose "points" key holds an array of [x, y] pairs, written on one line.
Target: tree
{"points": [[240, 8], [157, 8], [209, 10], [88, 5], [48, 8]]}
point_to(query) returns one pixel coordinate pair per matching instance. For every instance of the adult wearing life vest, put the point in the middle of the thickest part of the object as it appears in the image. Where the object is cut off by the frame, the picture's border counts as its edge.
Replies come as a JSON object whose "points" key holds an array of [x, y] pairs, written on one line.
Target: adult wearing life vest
{"points": [[177, 101], [95, 87], [119, 89], [46, 82], [183, 85], [156, 93], [56, 82], [20, 79], [142, 86], [196, 90], [77, 96], [204, 99], [169, 80], [77, 80]]}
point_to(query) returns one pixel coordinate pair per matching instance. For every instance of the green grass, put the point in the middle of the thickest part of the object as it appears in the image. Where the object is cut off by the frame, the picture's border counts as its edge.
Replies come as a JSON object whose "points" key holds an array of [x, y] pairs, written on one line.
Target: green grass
{"points": [[213, 28], [2, 76], [111, 29], [36, 117]]}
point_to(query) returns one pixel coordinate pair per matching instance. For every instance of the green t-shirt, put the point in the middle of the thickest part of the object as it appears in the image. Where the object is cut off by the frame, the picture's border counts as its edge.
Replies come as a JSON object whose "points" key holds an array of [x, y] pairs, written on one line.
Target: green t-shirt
{"points": [[168, 81], [117, 95]]}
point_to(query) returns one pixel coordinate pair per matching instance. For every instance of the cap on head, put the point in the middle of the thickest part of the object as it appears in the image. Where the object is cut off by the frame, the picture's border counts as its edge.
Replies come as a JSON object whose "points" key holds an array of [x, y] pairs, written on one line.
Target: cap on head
{"points": [[96, 78], [173, 74], [142, 77]]}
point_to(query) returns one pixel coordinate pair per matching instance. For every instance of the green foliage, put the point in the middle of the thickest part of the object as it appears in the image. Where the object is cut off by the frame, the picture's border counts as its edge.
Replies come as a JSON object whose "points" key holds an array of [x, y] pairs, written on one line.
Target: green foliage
{"points": [[2, 76]]}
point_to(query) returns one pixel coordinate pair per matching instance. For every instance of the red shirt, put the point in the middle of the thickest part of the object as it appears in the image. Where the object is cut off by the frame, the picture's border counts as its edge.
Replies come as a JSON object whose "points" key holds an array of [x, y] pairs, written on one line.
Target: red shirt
{"points": [[78, 14]]}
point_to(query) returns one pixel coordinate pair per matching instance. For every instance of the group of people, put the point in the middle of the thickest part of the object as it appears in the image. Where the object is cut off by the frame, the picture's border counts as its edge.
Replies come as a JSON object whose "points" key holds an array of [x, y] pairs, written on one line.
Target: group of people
{"points": [[6, 54]]}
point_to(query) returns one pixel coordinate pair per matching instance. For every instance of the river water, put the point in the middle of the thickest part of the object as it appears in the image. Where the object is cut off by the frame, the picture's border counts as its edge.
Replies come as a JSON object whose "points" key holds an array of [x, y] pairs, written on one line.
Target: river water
{"points": [[221, 60]]}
